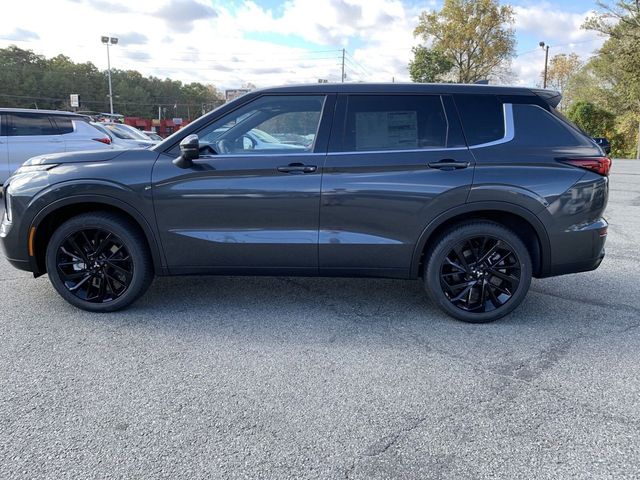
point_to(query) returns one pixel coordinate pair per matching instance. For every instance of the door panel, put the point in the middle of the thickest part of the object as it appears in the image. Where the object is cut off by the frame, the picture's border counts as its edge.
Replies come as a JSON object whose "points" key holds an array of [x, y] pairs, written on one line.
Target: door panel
{"points": [[251, 202], [386, 179], [239, 212], [375, 206]]}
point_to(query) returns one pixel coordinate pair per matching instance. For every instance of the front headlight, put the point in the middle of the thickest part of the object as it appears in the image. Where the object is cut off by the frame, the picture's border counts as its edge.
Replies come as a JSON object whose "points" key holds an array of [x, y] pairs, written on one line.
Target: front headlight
{"points": [[35, 168], [7, 203]]}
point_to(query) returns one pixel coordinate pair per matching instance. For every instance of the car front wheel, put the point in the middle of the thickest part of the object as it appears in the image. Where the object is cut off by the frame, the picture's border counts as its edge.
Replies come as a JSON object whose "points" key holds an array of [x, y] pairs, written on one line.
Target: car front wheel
{"points": [[99, 262], [478, 272]]}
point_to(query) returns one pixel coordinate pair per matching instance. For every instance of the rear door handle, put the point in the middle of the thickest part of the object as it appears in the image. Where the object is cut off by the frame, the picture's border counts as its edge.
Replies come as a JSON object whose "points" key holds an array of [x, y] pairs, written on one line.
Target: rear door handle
{"points": [[448, 164], [297, 168]]}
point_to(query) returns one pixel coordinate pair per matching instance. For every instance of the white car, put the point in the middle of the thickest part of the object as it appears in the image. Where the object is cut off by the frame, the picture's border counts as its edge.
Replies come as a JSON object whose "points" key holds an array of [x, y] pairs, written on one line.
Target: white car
{"points": [[124, 136], [25, 133]]}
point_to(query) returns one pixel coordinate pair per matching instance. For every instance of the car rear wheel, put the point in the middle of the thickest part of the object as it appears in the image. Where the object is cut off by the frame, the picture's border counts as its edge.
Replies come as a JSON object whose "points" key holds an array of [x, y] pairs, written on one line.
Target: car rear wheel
{"points": [[99, 262], [478, 272]]}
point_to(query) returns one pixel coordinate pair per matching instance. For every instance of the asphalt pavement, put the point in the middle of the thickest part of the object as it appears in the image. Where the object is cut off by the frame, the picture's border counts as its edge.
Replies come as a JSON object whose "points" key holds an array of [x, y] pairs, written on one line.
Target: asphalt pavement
{"points": [[247, 377]]}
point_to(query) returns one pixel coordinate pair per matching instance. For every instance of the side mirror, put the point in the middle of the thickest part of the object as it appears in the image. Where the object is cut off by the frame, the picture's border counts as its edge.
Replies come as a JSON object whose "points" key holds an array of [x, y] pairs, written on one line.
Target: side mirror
{"points": [[603, 143], [189, 150]]}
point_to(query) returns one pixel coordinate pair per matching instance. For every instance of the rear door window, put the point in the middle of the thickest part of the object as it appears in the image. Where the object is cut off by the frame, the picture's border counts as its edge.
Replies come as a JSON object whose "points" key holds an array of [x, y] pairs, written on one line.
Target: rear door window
{"points": [[482, 118], [30, 124], [394, 122]]}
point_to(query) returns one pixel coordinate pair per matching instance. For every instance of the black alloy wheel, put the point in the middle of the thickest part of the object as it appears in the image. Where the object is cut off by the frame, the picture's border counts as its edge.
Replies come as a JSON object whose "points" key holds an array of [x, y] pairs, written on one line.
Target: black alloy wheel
{"points": [[95, 265], [478, 271], [480, 274], [99, 261]]}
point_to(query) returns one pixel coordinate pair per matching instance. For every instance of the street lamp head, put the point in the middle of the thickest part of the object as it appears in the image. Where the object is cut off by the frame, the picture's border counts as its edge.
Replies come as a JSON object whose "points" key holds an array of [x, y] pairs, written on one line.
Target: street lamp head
{"points": [[114, 41], [104, 39]]}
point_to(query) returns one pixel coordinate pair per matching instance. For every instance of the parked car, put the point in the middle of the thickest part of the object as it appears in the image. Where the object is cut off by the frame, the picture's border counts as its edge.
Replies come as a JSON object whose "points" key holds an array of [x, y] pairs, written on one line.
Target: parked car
{"points": [[133, 132], [472, 189], [604, 144], [152, 135], [25, 133], [121, 138], [260, 140]]}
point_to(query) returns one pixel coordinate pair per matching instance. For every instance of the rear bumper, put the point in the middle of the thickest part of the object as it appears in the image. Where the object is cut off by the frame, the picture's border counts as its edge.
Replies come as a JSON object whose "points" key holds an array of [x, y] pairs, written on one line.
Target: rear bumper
{"points": [[577, 267], [579, 249]]}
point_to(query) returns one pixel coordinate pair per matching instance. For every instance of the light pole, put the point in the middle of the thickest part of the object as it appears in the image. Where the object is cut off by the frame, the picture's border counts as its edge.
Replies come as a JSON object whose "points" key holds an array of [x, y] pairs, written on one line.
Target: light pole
{"points": [[109, 41], [546, 62]]}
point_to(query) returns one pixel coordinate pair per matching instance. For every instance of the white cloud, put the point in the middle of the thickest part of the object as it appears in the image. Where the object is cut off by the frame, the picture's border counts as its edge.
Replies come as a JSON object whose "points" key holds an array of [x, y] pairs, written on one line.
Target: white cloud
{"points": [[559, 29], [226, 45]]}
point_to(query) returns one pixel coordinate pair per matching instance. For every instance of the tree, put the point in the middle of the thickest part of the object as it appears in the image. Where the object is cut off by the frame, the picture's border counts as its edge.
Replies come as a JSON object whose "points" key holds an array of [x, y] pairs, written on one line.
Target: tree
{"points": [[30, 80], [476, 36], [618, 64], [428, 65], [561, 69], [622, 12], [594, 120]]}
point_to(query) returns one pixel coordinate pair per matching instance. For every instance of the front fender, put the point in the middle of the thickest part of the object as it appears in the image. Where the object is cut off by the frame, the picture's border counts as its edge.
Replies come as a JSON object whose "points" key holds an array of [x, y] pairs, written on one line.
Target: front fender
{"points": [[77, 192]]}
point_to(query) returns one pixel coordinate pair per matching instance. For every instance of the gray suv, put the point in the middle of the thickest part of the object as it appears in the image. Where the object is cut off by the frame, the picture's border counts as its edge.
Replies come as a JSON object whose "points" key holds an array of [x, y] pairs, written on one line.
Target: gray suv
{"points": [[473, 189]]}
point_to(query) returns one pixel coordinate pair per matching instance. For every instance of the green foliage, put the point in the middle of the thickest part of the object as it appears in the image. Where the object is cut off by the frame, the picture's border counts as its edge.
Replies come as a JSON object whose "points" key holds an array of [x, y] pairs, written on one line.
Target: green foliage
{"points": [[428, 66], [611, 80], [594, 120], [32, 81], [476, 36]]}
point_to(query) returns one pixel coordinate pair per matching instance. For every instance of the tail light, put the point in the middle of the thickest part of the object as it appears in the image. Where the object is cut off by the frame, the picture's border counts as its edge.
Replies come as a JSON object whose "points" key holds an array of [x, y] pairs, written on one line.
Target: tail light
{"points": [[105, 140], [600, 165]]}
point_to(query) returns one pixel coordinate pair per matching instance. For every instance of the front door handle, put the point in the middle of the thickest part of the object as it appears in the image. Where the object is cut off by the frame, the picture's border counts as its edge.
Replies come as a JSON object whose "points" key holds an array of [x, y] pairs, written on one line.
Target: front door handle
{"points": [[297, 168], [448, 164]]}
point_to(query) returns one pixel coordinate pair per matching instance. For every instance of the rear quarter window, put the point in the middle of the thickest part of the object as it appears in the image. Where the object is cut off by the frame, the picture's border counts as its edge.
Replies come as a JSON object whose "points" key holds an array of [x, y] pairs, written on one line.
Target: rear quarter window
{"points": [[64, 125], [536, 127], [482, 118]]}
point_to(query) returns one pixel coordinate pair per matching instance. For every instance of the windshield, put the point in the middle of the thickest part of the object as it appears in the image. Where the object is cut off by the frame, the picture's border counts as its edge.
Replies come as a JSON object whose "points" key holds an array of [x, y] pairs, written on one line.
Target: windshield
{"points": [[133, 132], [117, 132]]}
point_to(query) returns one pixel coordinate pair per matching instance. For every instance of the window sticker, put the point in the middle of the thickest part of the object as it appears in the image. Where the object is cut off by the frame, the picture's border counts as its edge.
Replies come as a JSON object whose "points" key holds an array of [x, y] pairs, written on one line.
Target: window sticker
{"points": [[386, 130]]}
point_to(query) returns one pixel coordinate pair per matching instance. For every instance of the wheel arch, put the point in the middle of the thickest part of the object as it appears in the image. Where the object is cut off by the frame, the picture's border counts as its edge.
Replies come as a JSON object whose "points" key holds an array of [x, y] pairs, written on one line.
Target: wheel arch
{"points": [[524, 223], [61, 210]]}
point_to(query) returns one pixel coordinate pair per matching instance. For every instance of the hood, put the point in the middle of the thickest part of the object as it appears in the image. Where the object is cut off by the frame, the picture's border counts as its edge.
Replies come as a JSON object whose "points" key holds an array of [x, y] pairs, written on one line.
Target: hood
{"points": [[74, 157]]}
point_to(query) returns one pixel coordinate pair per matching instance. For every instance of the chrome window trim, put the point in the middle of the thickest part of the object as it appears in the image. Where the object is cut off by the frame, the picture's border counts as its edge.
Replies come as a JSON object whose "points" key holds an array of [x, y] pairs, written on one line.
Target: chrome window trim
{"points": [[509, 128], [413, 150]]}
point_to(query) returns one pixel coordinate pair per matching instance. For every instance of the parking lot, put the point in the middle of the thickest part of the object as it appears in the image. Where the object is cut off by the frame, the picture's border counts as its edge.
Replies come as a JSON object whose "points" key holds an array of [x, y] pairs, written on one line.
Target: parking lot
{"points": [[225, 377]]}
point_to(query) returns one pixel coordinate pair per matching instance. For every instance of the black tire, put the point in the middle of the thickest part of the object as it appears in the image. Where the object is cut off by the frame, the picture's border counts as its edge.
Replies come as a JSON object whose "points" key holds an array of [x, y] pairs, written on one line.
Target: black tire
{"points": [[463, 283], [106, 255]]}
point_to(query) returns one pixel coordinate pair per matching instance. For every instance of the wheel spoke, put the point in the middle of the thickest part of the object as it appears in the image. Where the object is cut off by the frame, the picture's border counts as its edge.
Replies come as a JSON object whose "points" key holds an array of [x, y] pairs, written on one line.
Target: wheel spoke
{"points": [[462, 294], [77, 248], [81, 282], [103, 244], [460, 254], [455, 265], [492, 296], [503, 276], [121, 270]]}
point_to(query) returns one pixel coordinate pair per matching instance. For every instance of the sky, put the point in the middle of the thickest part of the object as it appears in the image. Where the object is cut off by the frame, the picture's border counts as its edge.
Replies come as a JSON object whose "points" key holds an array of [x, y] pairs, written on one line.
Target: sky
{"points": [[268, 42]]}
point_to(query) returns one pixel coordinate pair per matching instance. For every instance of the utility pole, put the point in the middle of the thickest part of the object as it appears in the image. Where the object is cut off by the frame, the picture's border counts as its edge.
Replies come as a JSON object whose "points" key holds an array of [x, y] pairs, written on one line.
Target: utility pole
{"points": [[342, 76], [109, 41], [546, 62]]}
